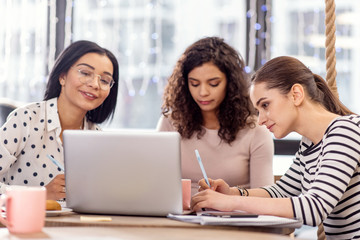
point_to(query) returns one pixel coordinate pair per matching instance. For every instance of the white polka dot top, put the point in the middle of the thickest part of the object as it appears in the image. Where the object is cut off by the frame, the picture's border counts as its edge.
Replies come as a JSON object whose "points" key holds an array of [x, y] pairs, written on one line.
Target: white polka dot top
{"points": [[29, 134]]}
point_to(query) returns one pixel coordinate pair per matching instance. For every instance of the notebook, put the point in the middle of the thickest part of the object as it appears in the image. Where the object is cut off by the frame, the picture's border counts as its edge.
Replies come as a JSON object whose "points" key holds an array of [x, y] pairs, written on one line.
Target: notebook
{"points": [[238, 218], [123, 172]]}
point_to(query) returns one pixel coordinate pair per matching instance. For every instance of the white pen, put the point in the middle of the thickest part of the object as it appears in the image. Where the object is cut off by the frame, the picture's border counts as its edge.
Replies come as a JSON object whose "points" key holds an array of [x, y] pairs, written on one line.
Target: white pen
{"points": [[202, 167], [56, 162]]}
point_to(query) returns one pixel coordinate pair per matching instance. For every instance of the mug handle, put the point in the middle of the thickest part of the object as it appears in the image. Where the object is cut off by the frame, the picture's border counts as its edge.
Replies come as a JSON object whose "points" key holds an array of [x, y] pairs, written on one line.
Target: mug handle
{"points": [[3, 200]]}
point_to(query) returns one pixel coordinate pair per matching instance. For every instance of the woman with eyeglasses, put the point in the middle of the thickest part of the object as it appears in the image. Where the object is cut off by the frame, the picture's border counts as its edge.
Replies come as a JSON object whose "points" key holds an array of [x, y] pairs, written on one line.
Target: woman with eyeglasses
{"points": [[81, 92]]}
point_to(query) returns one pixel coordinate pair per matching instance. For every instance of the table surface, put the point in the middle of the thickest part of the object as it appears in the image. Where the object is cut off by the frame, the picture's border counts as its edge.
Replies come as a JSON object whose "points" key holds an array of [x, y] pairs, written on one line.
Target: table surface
{"points": [[137, 233], [74, 219]]}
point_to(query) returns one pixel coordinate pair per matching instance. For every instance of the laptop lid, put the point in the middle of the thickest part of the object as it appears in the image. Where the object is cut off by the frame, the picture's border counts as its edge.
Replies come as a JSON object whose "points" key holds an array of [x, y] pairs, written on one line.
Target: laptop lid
{"points": [[129, 172]]}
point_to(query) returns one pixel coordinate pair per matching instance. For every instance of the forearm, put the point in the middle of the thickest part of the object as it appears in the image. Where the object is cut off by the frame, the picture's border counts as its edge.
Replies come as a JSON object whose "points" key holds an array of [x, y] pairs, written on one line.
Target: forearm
{"points": [[281, 207], [256, 192], [261, 204]]}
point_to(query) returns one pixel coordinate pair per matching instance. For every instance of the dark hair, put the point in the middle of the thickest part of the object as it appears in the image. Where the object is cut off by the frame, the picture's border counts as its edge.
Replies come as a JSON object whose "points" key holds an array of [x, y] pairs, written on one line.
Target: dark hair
{"points": [[63, 63], [236, 108], [283, 72]]}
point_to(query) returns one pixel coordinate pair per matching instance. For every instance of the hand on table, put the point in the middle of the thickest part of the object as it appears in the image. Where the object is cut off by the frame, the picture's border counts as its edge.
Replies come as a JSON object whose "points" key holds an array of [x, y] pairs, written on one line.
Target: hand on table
{"points": [[211, 199]]}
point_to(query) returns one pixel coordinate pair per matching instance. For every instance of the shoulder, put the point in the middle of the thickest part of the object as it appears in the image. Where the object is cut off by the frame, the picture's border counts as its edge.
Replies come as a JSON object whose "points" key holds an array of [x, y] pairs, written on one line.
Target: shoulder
{"points": [[349, 120], [40, 105], [28, 109], [256, 132], [165, 124], [344, 128], [256, 137], [348, 124], [261, 130]]}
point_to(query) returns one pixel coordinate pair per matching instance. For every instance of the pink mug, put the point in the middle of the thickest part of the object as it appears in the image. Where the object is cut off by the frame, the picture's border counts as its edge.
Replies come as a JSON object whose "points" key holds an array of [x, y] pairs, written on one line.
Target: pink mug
{"points": [[186, 192], [25, 209]]}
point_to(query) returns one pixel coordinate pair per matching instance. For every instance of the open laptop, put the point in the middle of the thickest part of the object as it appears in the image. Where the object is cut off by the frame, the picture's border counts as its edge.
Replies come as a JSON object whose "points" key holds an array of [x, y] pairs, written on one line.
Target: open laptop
{"points": [[126, 172]]}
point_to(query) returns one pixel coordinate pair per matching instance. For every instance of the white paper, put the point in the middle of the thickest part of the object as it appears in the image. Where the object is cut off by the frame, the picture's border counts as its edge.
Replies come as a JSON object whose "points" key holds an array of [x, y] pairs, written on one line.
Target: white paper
{"points": [[261, 220]]}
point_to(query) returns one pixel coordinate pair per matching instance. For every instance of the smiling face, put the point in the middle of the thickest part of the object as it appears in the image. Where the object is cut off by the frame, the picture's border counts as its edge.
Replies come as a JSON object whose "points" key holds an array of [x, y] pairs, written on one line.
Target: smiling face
{"points": [[85, 96], [207, 85], [276, 110]]}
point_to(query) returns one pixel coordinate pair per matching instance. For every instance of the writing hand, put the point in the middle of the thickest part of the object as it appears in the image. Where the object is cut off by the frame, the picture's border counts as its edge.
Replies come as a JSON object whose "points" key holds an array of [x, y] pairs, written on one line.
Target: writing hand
{"points": [[218, 185], [55, 190]]}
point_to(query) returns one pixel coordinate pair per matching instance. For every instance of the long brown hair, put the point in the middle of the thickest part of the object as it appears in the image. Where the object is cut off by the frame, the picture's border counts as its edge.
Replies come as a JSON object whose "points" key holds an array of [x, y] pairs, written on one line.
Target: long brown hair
{"points": [[236, 109], [283, 72]]}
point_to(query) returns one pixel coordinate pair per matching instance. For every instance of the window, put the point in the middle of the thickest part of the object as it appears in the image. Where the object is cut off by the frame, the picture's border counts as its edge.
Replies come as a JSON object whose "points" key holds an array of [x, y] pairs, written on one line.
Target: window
{"points": [[298, 29], [23, 51], [148, 37]]}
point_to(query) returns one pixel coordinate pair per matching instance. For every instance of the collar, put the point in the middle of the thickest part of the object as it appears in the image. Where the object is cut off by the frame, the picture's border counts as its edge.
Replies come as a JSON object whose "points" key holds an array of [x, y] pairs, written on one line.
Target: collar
{"points": [[52, 120]]}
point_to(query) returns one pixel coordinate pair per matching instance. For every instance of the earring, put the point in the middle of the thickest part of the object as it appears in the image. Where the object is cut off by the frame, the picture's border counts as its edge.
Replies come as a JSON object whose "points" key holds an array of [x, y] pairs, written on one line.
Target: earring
{"points": [[62, 82]]}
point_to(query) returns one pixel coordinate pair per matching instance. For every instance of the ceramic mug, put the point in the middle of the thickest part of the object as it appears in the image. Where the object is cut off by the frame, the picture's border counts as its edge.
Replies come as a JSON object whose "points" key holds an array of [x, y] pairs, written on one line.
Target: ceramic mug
{"points": [[25, 209], [186, 192]]}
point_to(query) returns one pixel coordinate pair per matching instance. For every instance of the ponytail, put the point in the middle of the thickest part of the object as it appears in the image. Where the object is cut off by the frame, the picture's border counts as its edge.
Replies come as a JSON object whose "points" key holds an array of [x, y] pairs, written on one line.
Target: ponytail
{"points": [[328, 99], [283, 72]]}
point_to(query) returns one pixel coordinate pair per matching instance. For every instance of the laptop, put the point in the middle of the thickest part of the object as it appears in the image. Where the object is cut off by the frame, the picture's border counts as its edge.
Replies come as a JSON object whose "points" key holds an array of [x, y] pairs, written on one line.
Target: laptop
{"points": [[123, 172]]}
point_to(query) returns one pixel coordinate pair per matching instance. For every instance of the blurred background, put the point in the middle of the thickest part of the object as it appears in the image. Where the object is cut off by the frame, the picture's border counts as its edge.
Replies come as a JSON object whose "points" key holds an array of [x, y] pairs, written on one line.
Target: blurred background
{"points": [[148, 36]]}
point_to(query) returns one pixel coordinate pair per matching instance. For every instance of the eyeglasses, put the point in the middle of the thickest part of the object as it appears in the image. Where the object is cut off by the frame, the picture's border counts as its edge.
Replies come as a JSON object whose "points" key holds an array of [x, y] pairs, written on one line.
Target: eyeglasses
{"points": [[87, 76]]}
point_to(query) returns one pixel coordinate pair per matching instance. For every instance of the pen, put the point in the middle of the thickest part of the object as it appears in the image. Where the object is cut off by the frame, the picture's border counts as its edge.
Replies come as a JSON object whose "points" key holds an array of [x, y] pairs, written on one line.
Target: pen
{"points": [[202, 167], [231, 216], [56, 162], [228, 214]]}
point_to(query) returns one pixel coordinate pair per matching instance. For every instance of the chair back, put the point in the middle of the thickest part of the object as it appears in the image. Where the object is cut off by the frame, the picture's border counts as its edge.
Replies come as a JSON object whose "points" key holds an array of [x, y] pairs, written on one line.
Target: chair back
{"points": [[6, 107]]}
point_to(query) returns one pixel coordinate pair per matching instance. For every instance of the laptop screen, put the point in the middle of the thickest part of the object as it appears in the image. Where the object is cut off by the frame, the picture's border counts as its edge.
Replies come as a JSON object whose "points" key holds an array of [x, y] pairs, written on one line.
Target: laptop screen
{"points": [[130, 172]]}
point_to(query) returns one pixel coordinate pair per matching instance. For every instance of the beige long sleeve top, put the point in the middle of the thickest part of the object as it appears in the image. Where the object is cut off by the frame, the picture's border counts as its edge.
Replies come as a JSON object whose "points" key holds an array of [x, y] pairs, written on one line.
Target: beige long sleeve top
{"points": [[246, 162]]}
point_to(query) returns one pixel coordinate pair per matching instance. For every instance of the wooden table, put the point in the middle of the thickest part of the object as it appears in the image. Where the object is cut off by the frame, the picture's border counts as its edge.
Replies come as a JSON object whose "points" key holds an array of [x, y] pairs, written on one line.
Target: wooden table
{"points": [[73, 219], [137, 233], [70, 227]]}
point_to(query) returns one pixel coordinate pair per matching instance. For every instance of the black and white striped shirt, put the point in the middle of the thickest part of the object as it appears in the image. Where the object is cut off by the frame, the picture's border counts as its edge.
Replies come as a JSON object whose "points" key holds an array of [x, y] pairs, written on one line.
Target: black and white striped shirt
{"points": [[324, 180]]}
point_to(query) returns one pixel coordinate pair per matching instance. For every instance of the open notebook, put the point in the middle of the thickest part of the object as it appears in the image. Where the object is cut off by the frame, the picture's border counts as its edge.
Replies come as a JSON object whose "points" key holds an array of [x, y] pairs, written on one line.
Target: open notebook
{"points": [[237, 218], [130, 172]]}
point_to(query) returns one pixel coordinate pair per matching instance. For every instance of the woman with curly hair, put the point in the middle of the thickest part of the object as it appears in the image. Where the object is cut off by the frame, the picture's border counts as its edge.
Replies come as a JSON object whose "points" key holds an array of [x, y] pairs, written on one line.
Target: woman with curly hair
{"points": [[206, 100]]}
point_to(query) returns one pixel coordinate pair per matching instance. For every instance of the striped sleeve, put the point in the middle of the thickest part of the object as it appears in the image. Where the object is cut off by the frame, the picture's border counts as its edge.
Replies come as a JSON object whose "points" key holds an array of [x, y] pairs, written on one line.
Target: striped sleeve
{"points": [[338, 161], [323, 183], [289, 184]]}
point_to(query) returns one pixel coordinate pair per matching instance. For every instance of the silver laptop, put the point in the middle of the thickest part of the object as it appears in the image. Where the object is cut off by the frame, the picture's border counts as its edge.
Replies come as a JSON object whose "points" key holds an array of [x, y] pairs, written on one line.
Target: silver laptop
{"points": [[129, 172]]}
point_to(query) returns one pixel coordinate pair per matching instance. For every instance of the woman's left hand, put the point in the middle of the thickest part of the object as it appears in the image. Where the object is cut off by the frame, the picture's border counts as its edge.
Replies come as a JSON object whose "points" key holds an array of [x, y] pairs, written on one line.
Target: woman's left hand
{"points": [[212, 199]]}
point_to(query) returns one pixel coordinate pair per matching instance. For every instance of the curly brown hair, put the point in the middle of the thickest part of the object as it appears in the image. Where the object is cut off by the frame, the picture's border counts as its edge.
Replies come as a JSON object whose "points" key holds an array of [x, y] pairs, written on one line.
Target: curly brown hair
{"points": [[235, 112]]}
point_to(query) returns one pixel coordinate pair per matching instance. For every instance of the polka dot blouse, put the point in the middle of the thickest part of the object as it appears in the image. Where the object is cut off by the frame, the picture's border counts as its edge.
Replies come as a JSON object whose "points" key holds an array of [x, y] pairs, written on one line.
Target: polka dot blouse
{"points": [[29, 134]]}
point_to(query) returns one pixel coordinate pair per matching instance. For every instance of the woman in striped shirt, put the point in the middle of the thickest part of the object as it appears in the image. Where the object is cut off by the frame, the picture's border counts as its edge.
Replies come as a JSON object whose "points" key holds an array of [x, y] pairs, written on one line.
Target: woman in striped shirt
{"points": [[323, 183]]}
